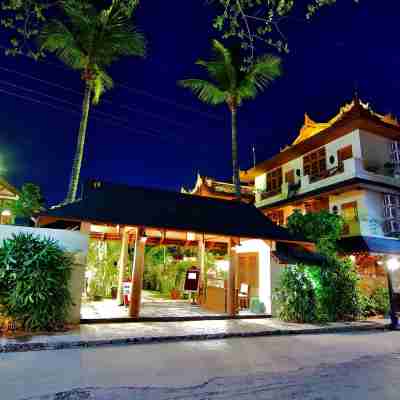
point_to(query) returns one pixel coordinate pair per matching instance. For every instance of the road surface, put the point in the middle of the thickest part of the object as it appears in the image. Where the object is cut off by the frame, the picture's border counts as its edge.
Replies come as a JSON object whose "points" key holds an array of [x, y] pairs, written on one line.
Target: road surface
{"points": [[329, 367]]}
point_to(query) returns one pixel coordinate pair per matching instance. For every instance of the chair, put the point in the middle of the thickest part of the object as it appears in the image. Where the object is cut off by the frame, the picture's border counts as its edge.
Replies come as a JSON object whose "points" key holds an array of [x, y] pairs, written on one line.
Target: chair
{"points": [[244, 299]]}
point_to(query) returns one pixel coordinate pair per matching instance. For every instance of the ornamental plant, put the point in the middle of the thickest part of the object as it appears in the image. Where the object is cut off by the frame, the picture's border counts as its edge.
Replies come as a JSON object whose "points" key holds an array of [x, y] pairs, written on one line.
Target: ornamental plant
{"points": [[325, 293], [34, 278]]}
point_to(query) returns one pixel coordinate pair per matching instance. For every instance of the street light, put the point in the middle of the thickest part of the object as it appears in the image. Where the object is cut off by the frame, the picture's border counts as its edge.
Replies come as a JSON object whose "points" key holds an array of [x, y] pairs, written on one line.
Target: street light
{"points": [[392, 265]]}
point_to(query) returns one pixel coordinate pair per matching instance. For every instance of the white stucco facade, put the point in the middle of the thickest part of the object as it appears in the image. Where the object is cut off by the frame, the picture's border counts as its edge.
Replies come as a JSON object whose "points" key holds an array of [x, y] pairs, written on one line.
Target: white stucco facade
{"points": [[370, 153]]}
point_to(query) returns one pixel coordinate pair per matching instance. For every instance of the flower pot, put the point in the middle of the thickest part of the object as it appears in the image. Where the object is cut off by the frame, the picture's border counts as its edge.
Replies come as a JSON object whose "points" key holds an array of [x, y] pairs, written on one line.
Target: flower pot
{"points": [[175, 294]]}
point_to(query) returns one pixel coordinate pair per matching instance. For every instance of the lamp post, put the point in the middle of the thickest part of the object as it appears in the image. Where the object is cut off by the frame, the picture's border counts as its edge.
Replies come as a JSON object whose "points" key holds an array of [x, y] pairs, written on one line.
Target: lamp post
{"points": [[392, 266]]}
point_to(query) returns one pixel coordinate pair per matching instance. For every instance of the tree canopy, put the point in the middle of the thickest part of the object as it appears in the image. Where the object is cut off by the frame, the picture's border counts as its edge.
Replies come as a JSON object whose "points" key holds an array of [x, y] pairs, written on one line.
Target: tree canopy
{"points": [[256, 22], [30, 201], [24, 19]]}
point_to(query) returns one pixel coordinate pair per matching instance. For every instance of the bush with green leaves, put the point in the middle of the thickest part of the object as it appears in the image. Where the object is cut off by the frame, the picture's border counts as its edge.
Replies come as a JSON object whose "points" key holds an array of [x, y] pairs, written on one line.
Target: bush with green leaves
{"points": [[319, 294], [34, 282], [297, 295], [375, 303]]}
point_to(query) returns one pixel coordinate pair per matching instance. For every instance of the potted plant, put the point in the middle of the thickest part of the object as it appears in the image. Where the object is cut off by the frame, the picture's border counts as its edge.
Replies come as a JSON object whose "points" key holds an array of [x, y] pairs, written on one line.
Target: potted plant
{"points": [[175, 294]]}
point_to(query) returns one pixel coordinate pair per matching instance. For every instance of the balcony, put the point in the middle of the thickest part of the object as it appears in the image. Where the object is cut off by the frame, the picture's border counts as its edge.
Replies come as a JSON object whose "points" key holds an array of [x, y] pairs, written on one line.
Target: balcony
{"points": [[350, 168]]}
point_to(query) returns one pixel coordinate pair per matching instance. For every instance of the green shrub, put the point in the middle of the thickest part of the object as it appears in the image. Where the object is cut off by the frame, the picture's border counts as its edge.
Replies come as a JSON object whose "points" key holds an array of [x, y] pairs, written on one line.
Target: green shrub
{"points": [[34, 278], [375, 303], [319, 294], [296, 295]]}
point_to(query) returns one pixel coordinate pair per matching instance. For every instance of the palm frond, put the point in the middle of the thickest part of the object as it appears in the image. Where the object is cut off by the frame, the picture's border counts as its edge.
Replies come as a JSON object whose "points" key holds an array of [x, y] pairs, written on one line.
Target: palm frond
{"points": [[265, 69], [56, 38], [206, 91], [224, 54], [101, 83]]}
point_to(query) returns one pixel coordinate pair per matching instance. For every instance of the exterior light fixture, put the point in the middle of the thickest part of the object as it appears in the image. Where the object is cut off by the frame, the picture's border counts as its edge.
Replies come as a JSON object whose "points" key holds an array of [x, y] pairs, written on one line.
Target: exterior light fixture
{"points": [[393, 265], [352, 258]]}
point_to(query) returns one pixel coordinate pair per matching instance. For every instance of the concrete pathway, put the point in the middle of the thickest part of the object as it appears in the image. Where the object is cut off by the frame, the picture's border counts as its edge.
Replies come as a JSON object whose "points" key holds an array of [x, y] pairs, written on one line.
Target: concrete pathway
{"points": [[356, 366], [138, 333]]}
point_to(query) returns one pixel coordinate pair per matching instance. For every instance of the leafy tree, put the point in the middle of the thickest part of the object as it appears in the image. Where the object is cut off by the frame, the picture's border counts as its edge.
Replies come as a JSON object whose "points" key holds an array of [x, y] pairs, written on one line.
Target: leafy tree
{"points": [[24, 20], [259, 21], [323, 228], [336, 281], [90, 41], [30, 201], [229, 84]]}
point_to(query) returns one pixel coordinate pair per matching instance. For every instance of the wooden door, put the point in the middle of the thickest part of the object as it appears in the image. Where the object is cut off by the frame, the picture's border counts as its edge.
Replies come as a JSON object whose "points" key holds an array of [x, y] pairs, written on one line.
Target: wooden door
{"points": [[248, 270]]}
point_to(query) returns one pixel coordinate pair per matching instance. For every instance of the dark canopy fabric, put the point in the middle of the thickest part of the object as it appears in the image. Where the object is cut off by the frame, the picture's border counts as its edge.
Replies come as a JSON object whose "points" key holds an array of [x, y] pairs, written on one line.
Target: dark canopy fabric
{"points": [[124, 205], [369, 244]]}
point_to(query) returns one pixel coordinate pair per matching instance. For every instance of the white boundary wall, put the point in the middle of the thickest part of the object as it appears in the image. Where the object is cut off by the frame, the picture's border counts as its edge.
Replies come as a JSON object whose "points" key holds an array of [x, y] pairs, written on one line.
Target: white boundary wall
{"points": [[72, 242]]}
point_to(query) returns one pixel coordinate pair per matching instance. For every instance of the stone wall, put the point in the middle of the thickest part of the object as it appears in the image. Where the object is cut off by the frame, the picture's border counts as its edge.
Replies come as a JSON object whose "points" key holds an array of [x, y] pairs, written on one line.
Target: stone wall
{"points": [[75, 243]]}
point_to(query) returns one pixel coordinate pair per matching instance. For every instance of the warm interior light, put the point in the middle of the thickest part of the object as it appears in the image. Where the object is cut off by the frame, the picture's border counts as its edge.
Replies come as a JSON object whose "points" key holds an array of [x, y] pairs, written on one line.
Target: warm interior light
{"points": [[6, 213], [352, 258], [393, 264]]}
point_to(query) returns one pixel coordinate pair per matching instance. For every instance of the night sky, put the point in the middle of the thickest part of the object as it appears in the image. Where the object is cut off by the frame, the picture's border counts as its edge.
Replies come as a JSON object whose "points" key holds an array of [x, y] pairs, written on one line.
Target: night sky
{"points": [[149, 132]]}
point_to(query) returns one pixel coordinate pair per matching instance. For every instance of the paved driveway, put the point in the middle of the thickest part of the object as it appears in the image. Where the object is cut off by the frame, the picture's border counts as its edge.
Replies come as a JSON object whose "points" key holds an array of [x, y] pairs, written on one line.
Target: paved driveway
{"points": [[341, 366]]}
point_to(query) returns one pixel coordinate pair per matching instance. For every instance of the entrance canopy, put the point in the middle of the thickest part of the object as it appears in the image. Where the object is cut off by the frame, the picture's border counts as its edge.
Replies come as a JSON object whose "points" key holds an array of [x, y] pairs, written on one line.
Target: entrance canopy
{"points": [[112, 204]]}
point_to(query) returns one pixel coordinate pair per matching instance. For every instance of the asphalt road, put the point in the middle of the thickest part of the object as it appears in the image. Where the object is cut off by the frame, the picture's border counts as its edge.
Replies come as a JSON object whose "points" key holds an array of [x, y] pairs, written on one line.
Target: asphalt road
{"points": [[332, 367]]}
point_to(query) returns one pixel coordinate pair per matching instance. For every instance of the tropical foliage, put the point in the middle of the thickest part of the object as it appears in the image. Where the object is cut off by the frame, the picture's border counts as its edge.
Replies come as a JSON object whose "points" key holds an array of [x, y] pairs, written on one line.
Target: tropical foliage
{"points": [[30, 201], [89, 41], [24, 20], [34, 279], [329, 292], [229, 84], [103, 267]]}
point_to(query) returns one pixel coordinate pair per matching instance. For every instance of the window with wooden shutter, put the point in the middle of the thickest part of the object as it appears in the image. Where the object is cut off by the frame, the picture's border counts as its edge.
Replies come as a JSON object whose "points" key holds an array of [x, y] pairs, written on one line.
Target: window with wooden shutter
{"points": [[315, 162], [274, 180], [289, 177], [344, 153]]}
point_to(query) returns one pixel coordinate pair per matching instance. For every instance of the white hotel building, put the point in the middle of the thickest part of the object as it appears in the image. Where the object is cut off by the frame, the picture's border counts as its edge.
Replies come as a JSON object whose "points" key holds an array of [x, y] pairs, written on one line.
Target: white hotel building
{"points": [[349, 165]]}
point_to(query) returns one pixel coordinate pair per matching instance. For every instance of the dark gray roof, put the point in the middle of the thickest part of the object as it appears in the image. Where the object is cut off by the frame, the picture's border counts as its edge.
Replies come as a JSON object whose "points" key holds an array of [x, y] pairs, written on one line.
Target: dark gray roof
{"points": [[369, 244], [291, 253], [125, 205]]}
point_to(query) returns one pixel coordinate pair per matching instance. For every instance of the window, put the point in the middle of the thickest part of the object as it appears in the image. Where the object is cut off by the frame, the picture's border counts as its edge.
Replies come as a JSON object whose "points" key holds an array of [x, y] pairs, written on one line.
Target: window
{"points": [[277, 217], [395, 153], [289, 177], [6, 217], [344, 153], [315, 162], [274, 180], [391, 213], [350, 211]]}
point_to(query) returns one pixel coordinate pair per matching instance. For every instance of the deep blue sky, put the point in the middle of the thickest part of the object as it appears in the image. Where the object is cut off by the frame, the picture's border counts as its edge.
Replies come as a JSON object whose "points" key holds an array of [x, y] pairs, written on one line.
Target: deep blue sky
{"points": [[168, 134]]}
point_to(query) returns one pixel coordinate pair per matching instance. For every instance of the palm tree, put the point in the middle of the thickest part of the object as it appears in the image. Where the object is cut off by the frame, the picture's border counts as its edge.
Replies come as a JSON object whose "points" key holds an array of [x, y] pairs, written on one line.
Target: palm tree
{"points": [[90, 41], [231, 84]]}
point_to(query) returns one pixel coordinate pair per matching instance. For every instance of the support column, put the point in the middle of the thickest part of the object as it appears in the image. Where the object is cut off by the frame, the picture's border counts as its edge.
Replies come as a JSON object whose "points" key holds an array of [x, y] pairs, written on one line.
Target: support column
{"points": [[137, 275], [122, 263], [233, 269], [202, 264]]}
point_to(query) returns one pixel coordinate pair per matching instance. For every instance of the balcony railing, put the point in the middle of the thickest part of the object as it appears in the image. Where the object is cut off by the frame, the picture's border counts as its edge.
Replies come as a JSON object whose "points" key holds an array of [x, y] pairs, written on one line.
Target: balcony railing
{"points": [[326, 174]]}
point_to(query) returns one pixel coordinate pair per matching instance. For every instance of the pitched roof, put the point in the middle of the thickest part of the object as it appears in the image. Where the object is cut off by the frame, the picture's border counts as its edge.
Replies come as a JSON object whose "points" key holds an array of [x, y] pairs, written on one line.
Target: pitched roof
{"points": [[8, 187], [312, 135], [124, 205]]}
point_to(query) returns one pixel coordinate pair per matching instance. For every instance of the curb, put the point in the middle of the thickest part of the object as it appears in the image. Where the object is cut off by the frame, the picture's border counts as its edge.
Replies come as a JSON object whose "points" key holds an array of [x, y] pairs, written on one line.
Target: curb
{"points": [[43, 346]]}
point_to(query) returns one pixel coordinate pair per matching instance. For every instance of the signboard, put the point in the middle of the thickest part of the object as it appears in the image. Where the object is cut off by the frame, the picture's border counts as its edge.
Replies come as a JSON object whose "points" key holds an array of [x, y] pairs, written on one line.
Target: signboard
{"points": [[192, 279]]}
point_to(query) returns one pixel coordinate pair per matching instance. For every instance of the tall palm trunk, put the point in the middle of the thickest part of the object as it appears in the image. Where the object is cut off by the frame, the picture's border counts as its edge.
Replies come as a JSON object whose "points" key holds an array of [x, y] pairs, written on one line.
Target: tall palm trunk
{"points": [[235, 161], [80, 147]]}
